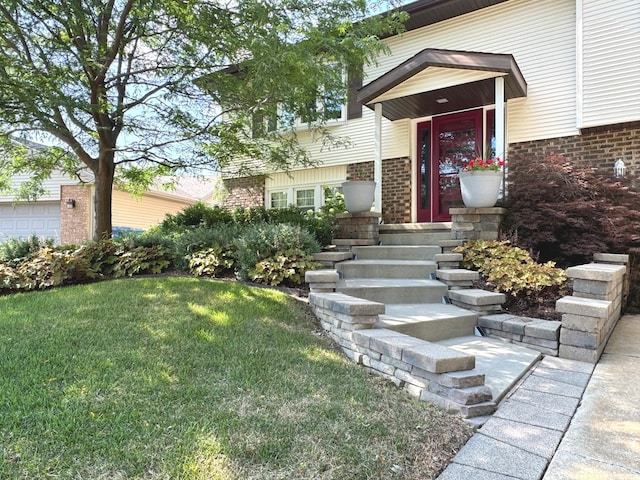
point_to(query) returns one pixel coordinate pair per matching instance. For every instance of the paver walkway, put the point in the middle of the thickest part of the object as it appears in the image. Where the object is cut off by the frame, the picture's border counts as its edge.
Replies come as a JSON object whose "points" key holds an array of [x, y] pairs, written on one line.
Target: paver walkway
{"points": [[564, 421], [603, 441]]}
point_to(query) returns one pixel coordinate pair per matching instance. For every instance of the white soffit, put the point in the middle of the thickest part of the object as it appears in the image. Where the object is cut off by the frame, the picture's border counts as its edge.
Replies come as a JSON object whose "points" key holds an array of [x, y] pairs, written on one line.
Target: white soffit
{"points": [[435, 78]]}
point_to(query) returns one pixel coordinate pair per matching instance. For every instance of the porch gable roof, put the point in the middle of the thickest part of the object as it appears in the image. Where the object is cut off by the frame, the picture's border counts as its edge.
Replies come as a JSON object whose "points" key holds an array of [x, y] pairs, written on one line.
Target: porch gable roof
{"points": [[459, 97]]}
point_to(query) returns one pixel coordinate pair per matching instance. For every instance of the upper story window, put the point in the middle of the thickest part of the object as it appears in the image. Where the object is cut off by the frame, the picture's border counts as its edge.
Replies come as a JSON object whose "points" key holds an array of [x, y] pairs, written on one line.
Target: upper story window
{"points": [[326, 103]]}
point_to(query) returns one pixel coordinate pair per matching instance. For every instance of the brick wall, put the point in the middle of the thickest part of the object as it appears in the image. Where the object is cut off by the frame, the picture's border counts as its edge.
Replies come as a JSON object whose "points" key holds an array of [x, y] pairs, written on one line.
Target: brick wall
{"points": [[244, 192], [75, 222], [597, 147], [396, 187], [396, 190]]}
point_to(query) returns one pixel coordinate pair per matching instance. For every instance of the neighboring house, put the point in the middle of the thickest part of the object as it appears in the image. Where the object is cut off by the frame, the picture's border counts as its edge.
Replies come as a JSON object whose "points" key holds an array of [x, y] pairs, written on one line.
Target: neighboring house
{"points": [[66, 212], [524, 77]]}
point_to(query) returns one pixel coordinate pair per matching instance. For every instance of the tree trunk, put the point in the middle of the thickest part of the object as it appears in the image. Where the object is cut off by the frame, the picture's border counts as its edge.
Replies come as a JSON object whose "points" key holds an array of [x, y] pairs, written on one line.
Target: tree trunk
{"points": [[104, 195]]}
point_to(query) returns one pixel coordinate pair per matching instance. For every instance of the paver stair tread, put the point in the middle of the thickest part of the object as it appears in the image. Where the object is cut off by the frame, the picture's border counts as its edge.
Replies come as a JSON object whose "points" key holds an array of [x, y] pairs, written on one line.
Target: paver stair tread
{"points": [[397, 252], [385, 261], [389, 268], [428, 321], [502, 363], [422, 312], [387, 283]]}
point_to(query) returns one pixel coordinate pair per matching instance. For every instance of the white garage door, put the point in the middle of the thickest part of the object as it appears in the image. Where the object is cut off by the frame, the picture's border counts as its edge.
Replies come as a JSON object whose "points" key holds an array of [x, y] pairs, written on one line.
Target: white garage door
{"points": [[42, 219]]}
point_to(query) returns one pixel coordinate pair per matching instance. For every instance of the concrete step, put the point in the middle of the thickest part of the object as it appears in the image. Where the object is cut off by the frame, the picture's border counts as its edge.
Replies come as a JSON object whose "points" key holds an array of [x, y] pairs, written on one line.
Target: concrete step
{"points": [[422, 238], [415, 227], [502, 363], [428, 321], [397, 252], [375, 268], [400, 290]]}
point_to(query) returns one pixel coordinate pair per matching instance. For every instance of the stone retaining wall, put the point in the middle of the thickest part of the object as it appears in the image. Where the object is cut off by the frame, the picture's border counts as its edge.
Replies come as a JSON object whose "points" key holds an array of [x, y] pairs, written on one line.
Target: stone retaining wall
{"points": [[535, 333], [591, 313], [427, 371]]}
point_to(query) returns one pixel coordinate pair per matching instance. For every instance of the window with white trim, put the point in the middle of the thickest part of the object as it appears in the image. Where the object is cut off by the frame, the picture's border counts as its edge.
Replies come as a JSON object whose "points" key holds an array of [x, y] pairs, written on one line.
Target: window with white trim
{"points": [[278, 199], [306, 199], [304, 196]]}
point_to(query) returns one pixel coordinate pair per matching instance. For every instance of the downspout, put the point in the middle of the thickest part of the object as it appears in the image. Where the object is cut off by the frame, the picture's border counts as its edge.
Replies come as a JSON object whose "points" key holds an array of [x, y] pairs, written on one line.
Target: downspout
{"points": [[377, 159]]}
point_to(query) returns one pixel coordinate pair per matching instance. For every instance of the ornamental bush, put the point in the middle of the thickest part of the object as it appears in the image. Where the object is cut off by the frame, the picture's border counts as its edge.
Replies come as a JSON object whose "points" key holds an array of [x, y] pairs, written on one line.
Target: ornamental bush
{"points": [[265, 241], [284, 266], [214, 261], [513, 271], [69, 264], [566, 214], [14, 248]]}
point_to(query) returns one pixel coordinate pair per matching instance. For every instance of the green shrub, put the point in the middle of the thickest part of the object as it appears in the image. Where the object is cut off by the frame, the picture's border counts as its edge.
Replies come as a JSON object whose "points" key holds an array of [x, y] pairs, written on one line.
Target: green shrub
{"points": [[320, 223], [264, 241], [15, 248], [186, 244], [511, 269], [63, 265], [10, 279], [141, 260], [285, 266], [213, 261], [52, 268], [196, 215]]}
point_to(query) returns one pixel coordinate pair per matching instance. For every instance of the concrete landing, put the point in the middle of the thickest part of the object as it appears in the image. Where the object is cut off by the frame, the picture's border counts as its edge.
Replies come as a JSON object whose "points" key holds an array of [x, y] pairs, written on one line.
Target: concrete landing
{"points": [[502, 363]]}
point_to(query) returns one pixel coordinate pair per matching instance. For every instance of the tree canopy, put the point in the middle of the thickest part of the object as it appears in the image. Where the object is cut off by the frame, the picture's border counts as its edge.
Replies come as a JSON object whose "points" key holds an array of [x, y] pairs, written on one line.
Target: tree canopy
{"points": [[132, 89]]}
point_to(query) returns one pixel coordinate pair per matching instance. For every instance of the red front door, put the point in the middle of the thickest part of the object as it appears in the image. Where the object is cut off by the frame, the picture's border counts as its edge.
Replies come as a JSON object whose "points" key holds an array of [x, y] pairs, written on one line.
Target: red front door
{"points": [[445, 145]]}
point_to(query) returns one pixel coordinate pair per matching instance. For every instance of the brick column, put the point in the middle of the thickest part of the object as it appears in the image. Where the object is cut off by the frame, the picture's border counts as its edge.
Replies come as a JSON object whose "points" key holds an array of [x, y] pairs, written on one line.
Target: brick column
{"points": [[75, 222]]}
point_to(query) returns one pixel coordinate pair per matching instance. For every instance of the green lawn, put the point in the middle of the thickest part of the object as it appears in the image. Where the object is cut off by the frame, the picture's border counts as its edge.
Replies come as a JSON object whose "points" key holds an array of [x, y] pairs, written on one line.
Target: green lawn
{"points": [[181, 378]]}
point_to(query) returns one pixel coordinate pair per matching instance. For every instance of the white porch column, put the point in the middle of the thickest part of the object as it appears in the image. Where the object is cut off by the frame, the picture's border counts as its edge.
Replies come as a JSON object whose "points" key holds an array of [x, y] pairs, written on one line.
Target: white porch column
{"points": [[501, 145], [377, 159]]}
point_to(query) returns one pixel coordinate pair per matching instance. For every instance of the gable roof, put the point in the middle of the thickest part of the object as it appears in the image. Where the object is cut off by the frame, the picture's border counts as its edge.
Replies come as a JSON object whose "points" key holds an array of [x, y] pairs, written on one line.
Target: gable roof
{"points": [[465, 95]]}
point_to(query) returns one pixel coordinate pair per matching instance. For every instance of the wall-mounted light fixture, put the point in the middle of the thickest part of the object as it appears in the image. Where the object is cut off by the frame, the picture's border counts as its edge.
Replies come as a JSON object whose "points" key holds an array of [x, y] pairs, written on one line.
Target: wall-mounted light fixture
{"points": [[71, 203], [619, 169]]}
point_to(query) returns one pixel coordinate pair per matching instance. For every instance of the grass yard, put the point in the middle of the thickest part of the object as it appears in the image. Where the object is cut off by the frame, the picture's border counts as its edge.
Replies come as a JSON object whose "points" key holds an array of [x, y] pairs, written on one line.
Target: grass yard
{"points": [[181, 378]]}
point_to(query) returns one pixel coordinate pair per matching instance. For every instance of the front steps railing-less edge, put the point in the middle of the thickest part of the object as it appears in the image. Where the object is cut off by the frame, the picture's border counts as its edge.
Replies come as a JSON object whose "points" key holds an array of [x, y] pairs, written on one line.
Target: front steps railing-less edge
{"points": [[406, 311]]}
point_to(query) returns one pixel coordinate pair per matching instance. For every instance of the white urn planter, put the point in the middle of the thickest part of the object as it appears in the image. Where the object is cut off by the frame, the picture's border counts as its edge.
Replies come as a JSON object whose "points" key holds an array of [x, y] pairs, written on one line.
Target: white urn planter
{"points": [[358, 195], [480, 188]]}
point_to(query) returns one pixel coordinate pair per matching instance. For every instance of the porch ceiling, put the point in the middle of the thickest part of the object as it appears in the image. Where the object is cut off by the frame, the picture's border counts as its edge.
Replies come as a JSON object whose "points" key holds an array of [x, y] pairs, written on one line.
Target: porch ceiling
{"points": [[462, 96]]}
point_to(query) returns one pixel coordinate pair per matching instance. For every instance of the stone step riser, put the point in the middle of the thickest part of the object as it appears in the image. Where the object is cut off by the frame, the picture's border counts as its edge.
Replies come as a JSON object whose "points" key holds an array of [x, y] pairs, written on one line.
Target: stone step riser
{"points": [[403, 294], [397, 252], [431, 238], [433, 330], [368, 270]]}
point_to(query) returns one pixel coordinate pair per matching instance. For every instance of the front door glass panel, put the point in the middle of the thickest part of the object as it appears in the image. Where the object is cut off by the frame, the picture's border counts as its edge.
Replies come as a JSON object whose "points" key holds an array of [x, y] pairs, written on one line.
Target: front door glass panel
{"points": [[424, 172], [457, 140]]}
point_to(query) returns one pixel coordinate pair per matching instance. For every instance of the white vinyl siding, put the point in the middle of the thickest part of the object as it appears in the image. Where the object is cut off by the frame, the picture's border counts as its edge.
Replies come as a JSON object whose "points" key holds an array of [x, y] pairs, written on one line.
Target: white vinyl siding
{"points": [[541, 37], [52, 186], [611, 61], [539, 34]]}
